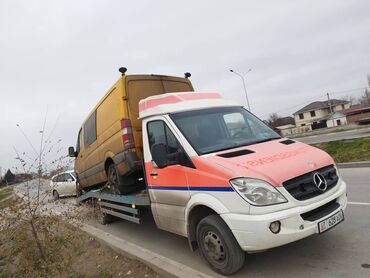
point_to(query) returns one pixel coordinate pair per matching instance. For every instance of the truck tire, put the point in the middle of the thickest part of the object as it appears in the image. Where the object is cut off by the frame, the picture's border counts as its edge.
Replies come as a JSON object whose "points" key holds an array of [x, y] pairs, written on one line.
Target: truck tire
{"points": [[115, 181], [218, 245]]}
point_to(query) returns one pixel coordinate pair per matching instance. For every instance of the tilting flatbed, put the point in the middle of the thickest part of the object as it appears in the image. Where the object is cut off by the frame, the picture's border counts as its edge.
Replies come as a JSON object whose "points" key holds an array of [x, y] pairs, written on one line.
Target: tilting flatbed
{"points": [[122, 206]]}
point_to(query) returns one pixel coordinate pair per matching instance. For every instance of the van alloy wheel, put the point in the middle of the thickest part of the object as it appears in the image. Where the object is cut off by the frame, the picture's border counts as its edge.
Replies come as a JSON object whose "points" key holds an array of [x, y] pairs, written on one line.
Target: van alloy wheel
{"points": [[114, 179]]}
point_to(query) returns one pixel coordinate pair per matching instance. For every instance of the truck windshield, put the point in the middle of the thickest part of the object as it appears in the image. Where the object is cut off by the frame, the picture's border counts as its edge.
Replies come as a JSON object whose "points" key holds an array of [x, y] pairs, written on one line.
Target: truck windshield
{"points": [[217, 129]]}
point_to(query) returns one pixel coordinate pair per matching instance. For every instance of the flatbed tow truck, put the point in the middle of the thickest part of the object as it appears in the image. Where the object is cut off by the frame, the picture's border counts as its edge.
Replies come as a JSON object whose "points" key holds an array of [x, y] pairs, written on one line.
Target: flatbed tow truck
{"points": [[216, 174]]}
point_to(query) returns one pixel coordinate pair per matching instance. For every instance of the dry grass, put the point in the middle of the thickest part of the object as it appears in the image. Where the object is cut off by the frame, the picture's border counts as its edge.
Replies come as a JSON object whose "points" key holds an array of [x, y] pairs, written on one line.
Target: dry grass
{"points": [[68, 251]]}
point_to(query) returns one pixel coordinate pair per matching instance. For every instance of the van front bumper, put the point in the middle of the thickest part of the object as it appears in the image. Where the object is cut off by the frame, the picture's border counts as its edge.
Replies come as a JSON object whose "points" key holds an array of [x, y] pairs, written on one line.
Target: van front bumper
{"points": [[252, 232]]}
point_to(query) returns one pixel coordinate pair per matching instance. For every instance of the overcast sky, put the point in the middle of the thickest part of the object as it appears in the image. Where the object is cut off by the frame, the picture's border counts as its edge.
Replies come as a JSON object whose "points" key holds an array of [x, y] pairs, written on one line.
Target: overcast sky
{"points": [[57, 58]]}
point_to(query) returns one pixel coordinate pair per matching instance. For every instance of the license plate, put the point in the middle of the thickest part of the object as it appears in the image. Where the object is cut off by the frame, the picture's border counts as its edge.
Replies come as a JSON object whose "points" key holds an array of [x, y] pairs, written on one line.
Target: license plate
{"points": [[330, 222]]}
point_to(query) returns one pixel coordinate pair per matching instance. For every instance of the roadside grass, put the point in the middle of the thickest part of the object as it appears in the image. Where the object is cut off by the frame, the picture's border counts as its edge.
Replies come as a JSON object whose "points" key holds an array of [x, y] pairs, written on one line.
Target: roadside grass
{"points": [[350, 150], [6, 198], [69, 252], [5, 192]]}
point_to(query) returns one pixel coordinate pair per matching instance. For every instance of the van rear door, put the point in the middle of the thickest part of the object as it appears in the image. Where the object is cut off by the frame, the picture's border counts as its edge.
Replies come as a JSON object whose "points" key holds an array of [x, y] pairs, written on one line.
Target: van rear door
{"points": [[139, 87]]}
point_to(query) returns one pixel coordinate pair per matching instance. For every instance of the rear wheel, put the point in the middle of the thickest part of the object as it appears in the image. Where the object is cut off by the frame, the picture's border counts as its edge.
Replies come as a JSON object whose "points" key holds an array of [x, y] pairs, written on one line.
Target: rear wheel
{"points": [[78, 189], [115, 181], [218, 246], [105, 219], [55, 195]]}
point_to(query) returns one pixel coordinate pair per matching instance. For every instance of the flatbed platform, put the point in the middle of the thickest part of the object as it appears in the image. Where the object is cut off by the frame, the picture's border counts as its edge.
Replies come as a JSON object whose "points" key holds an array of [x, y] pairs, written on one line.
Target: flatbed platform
{"points": [[137, 199], [121, 206]]}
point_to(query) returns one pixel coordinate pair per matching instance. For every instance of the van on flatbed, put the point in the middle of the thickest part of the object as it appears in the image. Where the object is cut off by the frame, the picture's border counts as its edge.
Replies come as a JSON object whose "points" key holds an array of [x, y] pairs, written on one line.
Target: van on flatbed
{"points": [[109, 145], [216, 174]]}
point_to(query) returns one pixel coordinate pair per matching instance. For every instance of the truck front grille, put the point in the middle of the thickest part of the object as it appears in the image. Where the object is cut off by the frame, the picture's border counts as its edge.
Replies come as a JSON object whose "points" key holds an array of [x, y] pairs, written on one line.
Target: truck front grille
{"points": [[303, 187]]}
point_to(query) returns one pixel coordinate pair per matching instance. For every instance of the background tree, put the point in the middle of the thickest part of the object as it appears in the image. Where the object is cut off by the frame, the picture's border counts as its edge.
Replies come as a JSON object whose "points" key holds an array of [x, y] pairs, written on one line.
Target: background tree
{"points": [[349, 98], [367, 92], [271, 121], [9, 177]]}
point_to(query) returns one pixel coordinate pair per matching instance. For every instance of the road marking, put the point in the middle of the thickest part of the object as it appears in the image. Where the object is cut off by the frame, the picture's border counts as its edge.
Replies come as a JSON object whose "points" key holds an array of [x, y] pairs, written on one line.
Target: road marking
{"points": [[359, 203]]}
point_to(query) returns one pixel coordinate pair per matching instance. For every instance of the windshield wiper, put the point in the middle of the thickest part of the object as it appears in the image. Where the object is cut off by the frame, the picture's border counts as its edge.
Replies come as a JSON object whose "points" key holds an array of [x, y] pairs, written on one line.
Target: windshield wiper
{"points": [[266, 140]]}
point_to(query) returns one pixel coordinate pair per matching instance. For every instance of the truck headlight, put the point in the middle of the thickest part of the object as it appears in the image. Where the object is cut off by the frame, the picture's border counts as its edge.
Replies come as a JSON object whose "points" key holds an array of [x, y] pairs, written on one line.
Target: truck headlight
{"points": [[257, 192]]}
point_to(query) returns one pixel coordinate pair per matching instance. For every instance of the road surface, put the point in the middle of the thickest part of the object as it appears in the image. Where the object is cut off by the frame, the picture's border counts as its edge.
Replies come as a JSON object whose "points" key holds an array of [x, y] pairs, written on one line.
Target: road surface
{"points": [[321, 138], [342, 252]]}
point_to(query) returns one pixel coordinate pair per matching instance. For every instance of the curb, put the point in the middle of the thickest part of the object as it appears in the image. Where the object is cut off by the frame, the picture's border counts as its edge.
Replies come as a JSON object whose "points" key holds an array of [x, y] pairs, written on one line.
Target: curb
{"points": [[162, 265], [357, 164]]}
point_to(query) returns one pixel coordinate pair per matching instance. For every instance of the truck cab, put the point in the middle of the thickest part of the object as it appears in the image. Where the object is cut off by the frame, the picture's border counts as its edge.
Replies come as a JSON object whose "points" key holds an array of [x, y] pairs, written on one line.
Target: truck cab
{"points": [[219, 176]]}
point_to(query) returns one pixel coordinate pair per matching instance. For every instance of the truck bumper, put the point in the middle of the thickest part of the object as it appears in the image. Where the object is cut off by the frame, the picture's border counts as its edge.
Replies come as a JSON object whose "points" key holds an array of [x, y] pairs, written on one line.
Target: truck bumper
{"points": [[253, 233]]}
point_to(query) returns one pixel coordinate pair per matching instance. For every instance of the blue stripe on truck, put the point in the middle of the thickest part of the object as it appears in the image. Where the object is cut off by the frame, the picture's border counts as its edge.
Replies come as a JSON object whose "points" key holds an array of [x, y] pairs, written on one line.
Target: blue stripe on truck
{"points": [[194, 188]]}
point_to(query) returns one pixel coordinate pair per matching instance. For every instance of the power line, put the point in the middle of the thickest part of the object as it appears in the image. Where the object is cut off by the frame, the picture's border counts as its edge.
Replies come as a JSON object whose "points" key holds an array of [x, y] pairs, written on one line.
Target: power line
{"points": [[307, 101], [350, 90], [322, 95]]}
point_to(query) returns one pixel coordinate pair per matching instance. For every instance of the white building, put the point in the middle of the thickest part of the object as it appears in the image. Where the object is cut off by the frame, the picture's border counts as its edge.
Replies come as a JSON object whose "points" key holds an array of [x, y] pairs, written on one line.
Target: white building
{"points": [[317, 114]]}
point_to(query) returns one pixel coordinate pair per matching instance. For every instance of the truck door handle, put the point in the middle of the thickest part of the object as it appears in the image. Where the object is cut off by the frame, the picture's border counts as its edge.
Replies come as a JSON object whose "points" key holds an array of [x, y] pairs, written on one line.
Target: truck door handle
{"points": [[154, 174]]}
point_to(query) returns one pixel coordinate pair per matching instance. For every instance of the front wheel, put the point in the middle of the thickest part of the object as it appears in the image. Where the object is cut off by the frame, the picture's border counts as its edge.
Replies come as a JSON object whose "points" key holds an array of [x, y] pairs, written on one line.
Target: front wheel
{"points": [[218, 245]]}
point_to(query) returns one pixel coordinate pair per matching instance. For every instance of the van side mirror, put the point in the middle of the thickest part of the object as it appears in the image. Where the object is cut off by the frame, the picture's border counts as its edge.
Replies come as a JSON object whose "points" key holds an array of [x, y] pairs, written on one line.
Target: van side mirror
{"points": [[162, 158], [71, 152]]}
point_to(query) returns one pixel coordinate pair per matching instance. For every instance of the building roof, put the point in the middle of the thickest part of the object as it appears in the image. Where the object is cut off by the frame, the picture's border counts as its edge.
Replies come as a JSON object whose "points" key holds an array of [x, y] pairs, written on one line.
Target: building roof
{"points": [[355, 109], [316, 105], [283, 121], [180, 102]]}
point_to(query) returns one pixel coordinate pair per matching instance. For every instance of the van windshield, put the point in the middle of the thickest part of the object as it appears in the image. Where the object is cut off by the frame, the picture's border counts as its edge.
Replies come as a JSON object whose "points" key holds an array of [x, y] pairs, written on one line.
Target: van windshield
{"points": [[217, 129]]}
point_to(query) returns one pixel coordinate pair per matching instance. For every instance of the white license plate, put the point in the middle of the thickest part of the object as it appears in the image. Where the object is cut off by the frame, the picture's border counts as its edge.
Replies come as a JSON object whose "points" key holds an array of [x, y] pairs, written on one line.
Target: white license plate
{"points": [[330, 222]]}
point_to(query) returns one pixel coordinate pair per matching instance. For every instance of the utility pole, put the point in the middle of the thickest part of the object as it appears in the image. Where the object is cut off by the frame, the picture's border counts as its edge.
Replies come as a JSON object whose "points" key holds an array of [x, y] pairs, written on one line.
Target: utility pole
{"points": [[245, 88], [331, 109]]}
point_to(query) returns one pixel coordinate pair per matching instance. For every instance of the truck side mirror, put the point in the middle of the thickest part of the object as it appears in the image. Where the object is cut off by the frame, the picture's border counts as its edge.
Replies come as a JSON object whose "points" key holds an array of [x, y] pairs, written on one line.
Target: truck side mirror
{"points": [[159, 155], [71, 152]]}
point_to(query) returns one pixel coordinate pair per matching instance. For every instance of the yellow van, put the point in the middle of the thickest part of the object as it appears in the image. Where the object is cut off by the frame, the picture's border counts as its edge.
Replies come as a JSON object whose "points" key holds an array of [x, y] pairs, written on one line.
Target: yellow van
{"points": [[109, 145]]}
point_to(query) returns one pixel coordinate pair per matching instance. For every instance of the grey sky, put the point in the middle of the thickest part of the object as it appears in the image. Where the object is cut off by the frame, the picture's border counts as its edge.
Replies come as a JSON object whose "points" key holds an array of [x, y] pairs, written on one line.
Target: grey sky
{"points": [[62, 56]]}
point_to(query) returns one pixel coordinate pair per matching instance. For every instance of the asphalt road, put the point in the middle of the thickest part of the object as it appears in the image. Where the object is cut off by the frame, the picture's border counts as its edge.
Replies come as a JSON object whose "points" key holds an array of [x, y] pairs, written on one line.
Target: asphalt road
{"points": [[349, 134], [344, 251]]}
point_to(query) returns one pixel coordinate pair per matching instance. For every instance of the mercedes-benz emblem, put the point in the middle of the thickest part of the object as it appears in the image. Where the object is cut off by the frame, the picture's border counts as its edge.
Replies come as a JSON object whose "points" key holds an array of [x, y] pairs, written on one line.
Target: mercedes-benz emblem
{"points": [[320, 182]]}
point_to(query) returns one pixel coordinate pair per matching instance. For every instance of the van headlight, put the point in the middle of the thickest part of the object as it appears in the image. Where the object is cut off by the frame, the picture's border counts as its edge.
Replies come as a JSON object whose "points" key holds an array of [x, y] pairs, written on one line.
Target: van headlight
{"points": [[257, 192]]}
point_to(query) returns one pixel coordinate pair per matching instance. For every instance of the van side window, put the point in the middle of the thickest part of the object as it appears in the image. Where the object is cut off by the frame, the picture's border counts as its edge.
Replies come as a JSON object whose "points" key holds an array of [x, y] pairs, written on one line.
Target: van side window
{"points": [[90, 130], [159, 133]]}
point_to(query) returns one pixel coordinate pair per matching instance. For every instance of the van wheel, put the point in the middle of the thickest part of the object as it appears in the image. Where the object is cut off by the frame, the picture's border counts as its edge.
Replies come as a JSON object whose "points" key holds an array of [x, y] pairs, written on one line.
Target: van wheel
{"points": [[218, 246], [116, 181], [78, 189]]}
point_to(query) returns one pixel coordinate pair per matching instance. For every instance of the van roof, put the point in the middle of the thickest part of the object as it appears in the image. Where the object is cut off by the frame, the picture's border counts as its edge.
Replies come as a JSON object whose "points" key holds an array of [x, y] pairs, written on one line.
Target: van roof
{"points": [[180, 102], [128, 77]]}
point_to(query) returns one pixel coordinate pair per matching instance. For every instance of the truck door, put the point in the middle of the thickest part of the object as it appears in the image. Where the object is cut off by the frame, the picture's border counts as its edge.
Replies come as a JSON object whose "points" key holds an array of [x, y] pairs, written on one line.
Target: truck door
{"points": [[168, 187]]}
